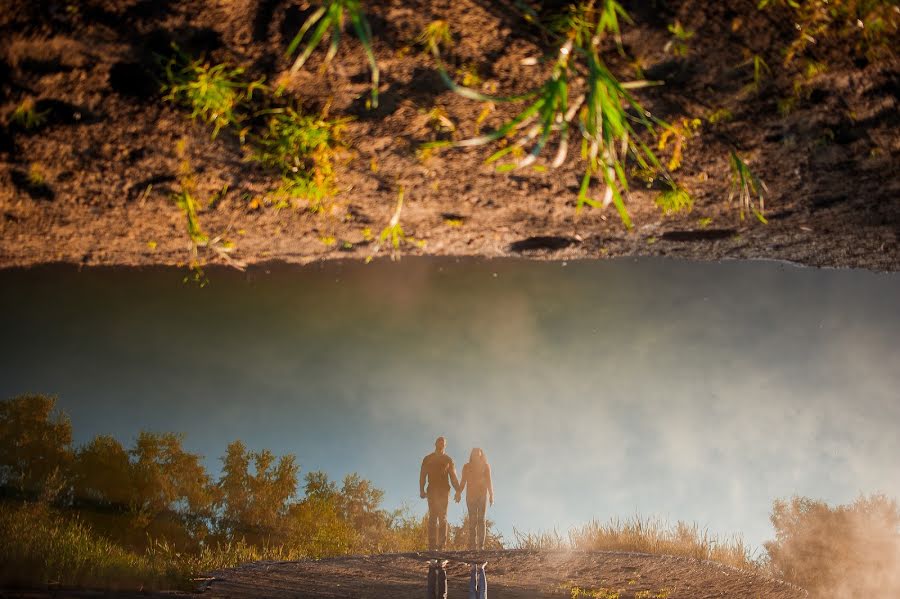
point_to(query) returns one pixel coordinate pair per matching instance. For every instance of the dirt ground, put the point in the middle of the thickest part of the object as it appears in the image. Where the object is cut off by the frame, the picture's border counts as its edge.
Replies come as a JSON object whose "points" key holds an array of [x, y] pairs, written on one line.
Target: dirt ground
{"points": [[510, 575], [94, 184]]}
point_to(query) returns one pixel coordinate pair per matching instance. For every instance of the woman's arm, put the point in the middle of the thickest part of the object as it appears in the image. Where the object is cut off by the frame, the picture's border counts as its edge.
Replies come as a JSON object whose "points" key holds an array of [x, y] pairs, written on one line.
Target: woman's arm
{"points": [[490, 485], [464, 480]]}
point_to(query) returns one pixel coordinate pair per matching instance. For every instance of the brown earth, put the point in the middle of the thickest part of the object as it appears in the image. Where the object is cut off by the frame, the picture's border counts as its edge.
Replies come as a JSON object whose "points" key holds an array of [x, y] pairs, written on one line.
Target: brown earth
{"points": [[108, 164], [510, 575]]}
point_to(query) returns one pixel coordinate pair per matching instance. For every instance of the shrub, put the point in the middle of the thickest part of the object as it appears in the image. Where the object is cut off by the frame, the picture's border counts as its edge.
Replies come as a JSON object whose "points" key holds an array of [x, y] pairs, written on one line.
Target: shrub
{"points": [[844, 551]]}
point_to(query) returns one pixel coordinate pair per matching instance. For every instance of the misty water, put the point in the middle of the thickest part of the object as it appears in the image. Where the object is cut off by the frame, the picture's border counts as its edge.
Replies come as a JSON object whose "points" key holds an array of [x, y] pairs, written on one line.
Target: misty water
{"points": [[692, 391]]}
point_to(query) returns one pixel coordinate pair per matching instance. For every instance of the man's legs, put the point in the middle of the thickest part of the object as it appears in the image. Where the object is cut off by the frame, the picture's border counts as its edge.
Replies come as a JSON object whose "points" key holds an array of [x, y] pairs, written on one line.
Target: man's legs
{"points": [[437, 580], [437, 519], [432, 528]]}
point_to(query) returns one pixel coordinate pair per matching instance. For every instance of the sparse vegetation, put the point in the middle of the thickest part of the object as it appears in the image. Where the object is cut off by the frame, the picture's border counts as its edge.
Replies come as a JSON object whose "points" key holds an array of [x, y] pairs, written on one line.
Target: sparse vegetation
{"points": [[548, 90], [330, 19], [675, 200], [27, 116], [745, 185], [188, 200], [679, 133], [649, 535], [760, 70], [605, 107], [678, 45], [302, 148], [645, 535], [214, 93], [866, 27], [393, 235]]}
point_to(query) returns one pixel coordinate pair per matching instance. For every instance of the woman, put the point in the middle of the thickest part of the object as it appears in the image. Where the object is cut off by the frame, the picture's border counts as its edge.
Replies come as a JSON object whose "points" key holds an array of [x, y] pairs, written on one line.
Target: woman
{"points": [[476, 482]]}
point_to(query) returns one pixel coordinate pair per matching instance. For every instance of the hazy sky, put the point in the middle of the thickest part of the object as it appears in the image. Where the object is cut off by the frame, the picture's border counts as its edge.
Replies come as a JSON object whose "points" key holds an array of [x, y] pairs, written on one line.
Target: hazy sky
{"points": [[694, 391]]}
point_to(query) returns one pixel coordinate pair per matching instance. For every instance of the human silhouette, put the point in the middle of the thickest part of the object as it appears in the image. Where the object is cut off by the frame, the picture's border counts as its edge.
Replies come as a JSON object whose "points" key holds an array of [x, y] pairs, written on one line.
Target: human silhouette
{"points": [[440, 472], [476, 482]]}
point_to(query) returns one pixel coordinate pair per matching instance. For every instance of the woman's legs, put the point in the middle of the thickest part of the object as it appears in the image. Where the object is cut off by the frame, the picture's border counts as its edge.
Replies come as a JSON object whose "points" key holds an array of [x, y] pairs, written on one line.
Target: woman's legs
{"points": [[477, 507], [477, 582]]}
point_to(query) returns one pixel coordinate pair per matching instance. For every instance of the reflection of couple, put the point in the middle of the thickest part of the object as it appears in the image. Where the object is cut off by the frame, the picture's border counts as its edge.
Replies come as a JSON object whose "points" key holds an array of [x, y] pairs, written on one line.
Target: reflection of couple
{"points": [[440, 472]]}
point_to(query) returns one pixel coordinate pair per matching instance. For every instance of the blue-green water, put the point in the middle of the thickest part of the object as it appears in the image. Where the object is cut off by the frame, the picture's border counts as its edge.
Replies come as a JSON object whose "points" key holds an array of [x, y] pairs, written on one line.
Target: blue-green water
{"points": [[695, 391]]}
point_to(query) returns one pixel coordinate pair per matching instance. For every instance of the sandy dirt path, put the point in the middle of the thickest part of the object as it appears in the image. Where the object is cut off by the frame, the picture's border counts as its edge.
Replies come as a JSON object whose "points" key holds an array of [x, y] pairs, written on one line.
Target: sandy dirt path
{"points": [[511, 575]]}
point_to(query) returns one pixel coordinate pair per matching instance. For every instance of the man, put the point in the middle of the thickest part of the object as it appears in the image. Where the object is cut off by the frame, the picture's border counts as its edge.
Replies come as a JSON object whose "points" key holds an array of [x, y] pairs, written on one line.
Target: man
{"points": [[440, 473]]}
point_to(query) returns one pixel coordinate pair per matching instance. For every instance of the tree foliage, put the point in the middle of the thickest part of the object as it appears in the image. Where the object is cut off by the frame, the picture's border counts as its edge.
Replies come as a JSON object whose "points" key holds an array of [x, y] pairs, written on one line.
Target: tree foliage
{"points": [[158, 492], [35, 445]]}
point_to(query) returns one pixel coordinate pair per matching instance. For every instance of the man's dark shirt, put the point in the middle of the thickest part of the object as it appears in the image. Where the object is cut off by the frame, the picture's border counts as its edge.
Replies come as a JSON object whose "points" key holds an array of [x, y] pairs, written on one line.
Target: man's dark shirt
{"points": [[440, 471]]}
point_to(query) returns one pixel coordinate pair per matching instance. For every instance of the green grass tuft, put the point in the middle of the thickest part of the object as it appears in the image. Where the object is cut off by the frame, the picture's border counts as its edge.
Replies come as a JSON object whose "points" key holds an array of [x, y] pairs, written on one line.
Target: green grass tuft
{"points": [[27, 116], [215, 94], [674, 201], [608, 116], [330, 19], [745, 185], [302, 147]]}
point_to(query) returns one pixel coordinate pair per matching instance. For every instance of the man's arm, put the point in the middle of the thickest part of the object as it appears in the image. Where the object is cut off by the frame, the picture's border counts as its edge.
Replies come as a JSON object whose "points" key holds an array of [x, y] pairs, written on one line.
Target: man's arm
{"points": [[462, 483], [422, 478], [453, 478]]}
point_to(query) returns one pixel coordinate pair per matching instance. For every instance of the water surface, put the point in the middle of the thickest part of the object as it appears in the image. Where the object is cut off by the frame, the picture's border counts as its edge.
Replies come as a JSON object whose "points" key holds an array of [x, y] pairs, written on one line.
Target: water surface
{"points": [[696, 391]]}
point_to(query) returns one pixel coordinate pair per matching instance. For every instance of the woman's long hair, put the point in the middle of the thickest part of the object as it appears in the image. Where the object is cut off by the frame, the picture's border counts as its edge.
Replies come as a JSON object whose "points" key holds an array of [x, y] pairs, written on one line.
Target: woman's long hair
{"points": [[478, 460]]}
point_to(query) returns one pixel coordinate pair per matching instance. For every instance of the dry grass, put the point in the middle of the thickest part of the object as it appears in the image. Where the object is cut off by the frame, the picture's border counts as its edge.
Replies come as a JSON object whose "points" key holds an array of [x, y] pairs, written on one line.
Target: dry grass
{"points": [[646, 535]]}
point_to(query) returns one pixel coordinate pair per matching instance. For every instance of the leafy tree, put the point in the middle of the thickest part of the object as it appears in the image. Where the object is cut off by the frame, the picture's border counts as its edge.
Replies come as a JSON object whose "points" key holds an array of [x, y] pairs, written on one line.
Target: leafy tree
{"points": [[360, 504], [318, 485], [254, 504], [35, 446], [173, 496], [102, 474]]}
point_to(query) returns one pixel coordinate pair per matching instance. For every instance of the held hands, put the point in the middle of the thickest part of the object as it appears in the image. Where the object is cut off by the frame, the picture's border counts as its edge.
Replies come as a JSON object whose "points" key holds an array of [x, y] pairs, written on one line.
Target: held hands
{"points": [[457, 497]]}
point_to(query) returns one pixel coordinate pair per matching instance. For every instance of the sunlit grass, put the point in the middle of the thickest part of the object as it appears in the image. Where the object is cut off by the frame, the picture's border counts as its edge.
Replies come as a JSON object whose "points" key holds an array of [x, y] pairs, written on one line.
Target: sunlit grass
{"points": [[749, 189], [674, 201], [330, 19], [864, 27], [644, 535], [187, 198], [41, 547], [393, 236], [302, 147], [650, 535], [608, 116], [215, 93], [27, 116]]}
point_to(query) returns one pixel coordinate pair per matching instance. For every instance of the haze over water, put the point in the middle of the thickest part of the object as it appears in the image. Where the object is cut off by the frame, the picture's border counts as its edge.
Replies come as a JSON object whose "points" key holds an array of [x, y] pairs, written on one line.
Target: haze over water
{"points": [[693, 391]]}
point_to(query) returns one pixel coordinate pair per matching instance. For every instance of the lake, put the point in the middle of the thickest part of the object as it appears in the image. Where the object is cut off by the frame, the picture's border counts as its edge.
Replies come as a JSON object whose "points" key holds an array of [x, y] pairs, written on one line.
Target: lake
{"points": [[693, 391]]}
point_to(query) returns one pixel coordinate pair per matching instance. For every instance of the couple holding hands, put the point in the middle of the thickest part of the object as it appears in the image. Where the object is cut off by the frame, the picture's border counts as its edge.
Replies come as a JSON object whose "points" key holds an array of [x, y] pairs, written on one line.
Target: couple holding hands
{"points": [[439, 472]]}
